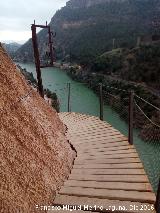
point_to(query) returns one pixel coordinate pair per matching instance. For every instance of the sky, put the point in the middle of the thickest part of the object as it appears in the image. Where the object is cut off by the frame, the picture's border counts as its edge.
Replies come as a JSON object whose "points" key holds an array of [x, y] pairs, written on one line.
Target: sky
{"points": [[16, 17]]}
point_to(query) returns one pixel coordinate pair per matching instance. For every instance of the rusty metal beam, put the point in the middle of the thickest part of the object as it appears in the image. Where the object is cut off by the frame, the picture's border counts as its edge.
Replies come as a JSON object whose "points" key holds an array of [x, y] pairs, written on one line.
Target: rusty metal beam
{"points": [[42, 26], [37, 60], [51, 45], [36, 54]]}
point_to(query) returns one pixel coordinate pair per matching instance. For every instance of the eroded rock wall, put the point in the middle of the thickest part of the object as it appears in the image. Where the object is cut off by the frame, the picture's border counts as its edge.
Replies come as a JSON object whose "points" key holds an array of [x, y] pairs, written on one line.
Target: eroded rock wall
{"points": [[35, 155]]}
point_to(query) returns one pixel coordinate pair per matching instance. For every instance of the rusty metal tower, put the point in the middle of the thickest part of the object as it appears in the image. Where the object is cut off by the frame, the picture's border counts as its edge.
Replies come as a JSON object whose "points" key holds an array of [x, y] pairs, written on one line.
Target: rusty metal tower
{"points": [[50, 54]]}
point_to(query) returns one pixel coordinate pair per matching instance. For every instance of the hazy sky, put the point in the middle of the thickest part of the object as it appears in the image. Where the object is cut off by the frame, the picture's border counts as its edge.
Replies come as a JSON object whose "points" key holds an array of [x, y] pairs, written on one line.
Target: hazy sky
{"points": [[16, 16]]}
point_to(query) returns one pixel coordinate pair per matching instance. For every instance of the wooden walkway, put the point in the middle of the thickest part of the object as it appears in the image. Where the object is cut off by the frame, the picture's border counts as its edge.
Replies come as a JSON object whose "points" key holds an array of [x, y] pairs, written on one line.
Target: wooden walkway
{"points": [[107, 171]]}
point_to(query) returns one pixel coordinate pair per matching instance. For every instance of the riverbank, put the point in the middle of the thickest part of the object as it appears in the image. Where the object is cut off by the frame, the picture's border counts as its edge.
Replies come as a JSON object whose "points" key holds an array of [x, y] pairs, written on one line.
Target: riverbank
{"points": [[49, 96]]}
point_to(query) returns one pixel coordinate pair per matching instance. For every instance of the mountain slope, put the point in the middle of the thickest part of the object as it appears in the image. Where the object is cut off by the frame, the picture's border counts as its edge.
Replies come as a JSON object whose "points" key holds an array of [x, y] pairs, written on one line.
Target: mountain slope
{"points": [[86, 29], [140, 64]]}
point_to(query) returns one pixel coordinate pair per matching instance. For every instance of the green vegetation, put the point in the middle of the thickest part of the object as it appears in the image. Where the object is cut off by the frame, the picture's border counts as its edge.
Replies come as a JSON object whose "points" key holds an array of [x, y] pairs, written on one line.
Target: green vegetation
{"points": [[54, 98], [89, 31], [109, 62], [141, 64]]}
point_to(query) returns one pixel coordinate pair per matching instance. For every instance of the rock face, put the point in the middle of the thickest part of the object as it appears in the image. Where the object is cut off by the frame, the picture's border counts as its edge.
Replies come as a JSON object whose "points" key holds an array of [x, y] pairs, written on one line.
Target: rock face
{"points": [[35, 155], [84, 3]]}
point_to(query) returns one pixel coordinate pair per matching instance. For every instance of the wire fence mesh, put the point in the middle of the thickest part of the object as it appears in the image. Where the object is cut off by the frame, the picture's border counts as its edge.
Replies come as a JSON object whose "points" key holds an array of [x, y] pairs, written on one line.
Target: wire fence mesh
{"points": [[147, 123], [119, 104]]}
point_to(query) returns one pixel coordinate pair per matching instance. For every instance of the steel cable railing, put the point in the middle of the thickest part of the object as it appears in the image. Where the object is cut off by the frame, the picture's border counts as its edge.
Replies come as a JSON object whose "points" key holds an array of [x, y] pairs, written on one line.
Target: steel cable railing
{"points": [[147, 121]]}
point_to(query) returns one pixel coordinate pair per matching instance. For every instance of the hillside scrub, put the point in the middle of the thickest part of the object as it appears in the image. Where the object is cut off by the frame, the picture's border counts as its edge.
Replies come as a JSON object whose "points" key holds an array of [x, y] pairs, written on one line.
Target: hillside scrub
{"points": [[140, 64]]}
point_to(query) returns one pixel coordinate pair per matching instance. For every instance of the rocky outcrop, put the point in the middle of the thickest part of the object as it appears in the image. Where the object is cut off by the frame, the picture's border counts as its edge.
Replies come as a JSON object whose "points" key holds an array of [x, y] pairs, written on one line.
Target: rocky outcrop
{"points": [[35, 155]]}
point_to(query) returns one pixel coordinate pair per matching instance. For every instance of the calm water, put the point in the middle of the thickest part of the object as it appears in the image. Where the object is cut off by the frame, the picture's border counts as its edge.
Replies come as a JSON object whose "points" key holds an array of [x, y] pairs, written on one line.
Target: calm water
{"points": [[84, 100]]}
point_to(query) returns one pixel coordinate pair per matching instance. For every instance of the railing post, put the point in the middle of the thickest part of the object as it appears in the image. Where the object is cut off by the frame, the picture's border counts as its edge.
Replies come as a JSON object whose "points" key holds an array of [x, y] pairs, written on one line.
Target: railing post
{"points": [[101, 101], [37, 61], [131, 105], [69, 96], [157, 204]]}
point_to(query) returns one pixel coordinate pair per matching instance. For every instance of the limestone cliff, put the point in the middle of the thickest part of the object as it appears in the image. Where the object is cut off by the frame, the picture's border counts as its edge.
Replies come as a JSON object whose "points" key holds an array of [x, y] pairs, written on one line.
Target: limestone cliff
{"points": [[35, 155]]}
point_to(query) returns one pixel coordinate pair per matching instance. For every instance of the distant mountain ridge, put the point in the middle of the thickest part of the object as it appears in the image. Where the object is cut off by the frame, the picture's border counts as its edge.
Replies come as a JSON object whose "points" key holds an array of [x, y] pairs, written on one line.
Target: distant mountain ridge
{"points": [[87, 28], [11, 48]]}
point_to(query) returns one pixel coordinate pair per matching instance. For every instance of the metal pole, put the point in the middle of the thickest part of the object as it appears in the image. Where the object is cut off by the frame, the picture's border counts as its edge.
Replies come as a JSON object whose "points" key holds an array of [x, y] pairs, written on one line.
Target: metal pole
{"points": [[69, 96], [130, 135], [157, 204], [37, 61], [51, 46], [101, 101]]}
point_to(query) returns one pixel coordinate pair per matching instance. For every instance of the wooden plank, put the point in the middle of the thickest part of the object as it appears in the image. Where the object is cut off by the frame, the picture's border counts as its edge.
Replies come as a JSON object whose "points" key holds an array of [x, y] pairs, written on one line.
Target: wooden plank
{"points": [[96, 133], [111, 178], [83, 149], [82, 129], [100, 144], [109, 154], [103, 137], [85, 129], [100, 141], [93, 130], [113, 156], [109, 166], [90, 130], [88, 126], [106, 152], [106, 138], [123, 195], [110, 185], [112, 161], [108, 171], [104, 205], [95, 137]]}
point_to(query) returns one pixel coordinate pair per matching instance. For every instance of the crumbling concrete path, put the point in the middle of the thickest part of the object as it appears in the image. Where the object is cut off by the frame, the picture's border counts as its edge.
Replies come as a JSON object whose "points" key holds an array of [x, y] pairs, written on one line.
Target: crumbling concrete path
{"points": [[107, 173]]}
